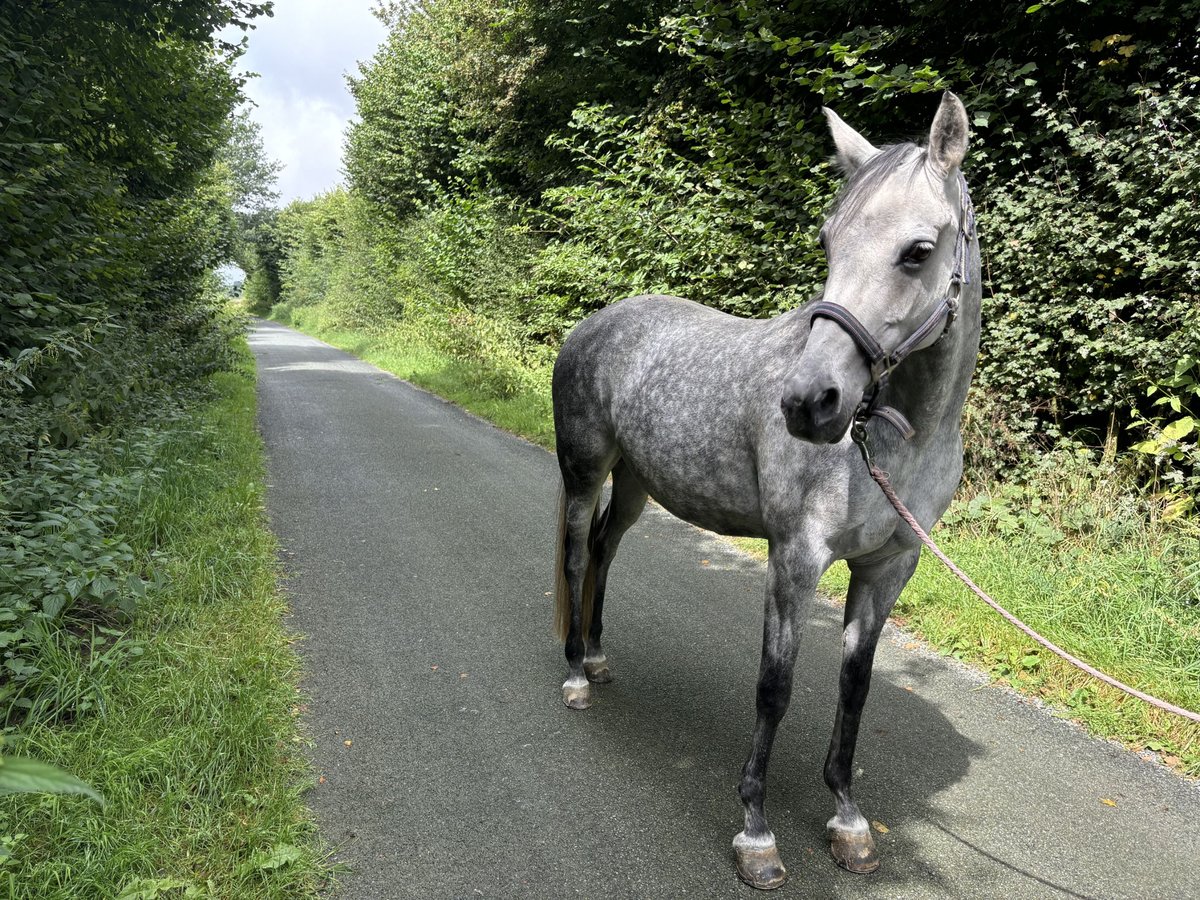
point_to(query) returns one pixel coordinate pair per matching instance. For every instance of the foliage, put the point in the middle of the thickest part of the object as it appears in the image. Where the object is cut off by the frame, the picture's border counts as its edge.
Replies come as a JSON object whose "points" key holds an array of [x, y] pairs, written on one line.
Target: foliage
{"points": [[1173, 444], [1095, 283], [463, 94], [251, 177], [115, 211], [113, 115], [657, 219], [20, 775], [193, 739], [679, 146]]}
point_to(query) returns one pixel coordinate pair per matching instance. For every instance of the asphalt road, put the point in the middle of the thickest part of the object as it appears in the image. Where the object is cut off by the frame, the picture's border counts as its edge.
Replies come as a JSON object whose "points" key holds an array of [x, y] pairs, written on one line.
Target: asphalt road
{"points": [[419, 550]]}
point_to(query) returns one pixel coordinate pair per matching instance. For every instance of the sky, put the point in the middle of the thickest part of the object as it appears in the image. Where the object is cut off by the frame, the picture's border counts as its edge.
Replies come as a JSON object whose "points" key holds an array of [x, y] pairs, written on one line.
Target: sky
{"points": [[302, 55]]}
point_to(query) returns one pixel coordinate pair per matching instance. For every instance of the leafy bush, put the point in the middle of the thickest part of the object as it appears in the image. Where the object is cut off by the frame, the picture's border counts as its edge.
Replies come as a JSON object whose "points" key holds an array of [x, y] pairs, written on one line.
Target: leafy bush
{"points": [[1173, 442], [114, 216], [505, 170], [665, 207], [69, 580], [1095, 279]]}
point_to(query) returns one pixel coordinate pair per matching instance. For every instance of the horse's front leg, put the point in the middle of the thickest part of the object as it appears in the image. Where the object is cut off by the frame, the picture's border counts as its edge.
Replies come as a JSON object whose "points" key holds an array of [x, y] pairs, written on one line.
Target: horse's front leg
{"points": [[791, 581], [873, 591]]}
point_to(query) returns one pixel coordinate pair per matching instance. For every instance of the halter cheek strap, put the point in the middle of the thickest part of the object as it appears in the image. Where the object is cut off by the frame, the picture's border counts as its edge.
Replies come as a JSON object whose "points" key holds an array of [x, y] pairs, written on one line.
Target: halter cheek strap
{"points": [[879, 361]]}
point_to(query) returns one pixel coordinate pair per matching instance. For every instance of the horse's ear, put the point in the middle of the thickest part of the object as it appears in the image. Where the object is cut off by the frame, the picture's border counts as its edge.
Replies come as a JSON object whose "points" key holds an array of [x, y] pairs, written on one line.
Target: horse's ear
{"points": [[948, 136], [852, 148]]}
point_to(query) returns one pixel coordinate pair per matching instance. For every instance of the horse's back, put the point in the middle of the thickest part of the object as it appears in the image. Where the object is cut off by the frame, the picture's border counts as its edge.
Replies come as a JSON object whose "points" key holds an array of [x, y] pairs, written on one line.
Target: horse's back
{"points": [[680, 392], [651, 330]]}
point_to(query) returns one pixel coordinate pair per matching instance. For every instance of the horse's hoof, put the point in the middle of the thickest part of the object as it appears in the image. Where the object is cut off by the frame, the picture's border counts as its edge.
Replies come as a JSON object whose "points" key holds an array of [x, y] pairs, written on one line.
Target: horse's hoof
{"points": [[854, 851], [597, 670], [577, 694], [760, 866]]}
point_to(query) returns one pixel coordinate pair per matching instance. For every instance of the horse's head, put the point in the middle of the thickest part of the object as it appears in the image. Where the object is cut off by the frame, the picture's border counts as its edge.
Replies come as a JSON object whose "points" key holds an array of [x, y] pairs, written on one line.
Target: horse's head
{"points": [[891, 244]]}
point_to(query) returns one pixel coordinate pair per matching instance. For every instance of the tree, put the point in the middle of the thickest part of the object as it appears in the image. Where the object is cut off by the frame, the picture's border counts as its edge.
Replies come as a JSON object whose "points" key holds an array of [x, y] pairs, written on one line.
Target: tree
{"points": [[252, 178]]}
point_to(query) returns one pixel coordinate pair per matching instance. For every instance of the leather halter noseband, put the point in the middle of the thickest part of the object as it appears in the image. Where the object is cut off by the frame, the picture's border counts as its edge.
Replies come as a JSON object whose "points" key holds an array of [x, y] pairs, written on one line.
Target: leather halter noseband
{"points": [[882, 363]]}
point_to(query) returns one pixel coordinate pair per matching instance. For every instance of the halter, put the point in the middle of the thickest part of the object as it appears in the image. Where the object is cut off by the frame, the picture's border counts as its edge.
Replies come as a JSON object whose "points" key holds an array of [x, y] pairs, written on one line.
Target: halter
{"points": [[882, 363]]}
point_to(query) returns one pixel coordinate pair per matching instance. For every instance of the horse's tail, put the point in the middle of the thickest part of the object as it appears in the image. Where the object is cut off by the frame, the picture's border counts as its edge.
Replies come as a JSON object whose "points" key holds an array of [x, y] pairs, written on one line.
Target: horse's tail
{"points": [[562, 590]]}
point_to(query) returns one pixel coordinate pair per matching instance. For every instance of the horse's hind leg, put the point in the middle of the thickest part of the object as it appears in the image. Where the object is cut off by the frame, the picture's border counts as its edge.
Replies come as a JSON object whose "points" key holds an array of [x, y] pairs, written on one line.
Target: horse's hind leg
{"points": [[624, 506], [873, 591], [576, 578]]}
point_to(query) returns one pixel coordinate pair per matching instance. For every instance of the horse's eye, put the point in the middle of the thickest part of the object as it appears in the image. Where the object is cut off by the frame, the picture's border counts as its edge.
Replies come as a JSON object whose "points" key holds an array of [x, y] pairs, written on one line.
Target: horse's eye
{"points": [[917, 253]]}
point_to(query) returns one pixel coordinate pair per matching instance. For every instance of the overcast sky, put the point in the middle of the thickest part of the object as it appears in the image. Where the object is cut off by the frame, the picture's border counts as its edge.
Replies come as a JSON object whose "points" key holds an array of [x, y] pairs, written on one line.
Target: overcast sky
{"points": [[302, 55]]}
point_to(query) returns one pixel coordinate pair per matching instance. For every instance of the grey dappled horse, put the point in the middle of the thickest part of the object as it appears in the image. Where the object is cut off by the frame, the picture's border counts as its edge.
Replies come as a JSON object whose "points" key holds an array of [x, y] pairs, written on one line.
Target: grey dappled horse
{"points": [[743, 427]]}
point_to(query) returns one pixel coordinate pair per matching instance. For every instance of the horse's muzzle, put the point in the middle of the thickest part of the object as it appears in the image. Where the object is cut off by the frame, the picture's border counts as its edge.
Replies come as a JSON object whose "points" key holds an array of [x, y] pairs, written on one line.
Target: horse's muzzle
{"points": [[814, 410]]}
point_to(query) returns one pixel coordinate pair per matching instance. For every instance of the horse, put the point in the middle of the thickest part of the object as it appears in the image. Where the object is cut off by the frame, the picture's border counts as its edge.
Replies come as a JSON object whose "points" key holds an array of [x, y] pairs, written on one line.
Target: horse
{"points": [[759, 428]]}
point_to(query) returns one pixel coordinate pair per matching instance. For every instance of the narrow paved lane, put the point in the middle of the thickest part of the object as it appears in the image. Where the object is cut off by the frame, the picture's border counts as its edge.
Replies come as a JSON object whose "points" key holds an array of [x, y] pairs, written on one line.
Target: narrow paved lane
{"points": [[419, 546]]}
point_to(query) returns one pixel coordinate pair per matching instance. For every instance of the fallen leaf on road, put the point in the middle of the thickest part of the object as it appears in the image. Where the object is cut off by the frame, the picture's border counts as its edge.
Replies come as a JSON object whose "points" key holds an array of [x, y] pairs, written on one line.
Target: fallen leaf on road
{"points": [[433, 668], [911, 645], [880, 827], [704, 562], [321, 780], [347, 743], [1108, 802]]}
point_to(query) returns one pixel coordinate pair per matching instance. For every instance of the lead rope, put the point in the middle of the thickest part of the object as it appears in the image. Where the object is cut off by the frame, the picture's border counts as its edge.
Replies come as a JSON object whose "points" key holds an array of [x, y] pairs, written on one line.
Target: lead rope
{"points": [[881, 479]]}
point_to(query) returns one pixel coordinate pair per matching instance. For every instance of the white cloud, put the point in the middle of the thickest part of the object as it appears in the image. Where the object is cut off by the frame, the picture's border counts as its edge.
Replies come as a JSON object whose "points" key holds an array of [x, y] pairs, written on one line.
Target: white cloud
{"points": [[302, 55]]}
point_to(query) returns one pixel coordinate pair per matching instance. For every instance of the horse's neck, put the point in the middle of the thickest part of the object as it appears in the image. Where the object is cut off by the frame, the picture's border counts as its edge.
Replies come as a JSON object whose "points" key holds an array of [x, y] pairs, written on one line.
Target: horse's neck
{"points": [[931, 387]]}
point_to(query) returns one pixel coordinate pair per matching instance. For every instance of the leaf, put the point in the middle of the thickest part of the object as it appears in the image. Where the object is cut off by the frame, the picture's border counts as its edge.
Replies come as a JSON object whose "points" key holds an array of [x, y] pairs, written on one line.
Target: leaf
{"points": [[153, 888], [880, 827], [20, 775], [53, 605], [1108, 802], [281, 855], [1179, 428]]}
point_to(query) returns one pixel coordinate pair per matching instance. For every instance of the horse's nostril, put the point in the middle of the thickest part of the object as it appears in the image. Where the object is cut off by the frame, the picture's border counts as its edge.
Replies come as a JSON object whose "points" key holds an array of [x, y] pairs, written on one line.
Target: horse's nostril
{"points": [[829, 400]]}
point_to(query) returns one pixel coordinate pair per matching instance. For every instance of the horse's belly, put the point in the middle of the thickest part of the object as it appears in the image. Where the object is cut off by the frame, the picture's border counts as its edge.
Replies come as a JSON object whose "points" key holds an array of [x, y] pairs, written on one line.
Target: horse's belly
{"points": [[735, 523], [722, 498]]}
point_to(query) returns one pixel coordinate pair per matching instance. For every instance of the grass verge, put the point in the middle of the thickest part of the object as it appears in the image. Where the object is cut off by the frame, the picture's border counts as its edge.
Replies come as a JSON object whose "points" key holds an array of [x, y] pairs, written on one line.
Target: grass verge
{"points": [[194, 742], [1071, 555]]}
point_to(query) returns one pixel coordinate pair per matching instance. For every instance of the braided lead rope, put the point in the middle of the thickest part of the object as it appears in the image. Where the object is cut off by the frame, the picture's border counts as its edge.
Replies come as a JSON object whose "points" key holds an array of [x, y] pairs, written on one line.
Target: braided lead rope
{"points": [[888, 491]]}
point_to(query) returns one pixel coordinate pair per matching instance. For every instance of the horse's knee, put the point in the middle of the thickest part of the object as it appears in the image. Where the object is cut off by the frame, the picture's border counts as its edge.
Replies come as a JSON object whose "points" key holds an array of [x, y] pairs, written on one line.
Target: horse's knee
{"points": [[774, 697]]}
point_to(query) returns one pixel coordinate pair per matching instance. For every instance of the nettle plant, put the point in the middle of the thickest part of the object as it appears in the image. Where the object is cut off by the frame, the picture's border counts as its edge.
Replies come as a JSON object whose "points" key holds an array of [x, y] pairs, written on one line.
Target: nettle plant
{"points": [[1174, 441], [63, 558]]}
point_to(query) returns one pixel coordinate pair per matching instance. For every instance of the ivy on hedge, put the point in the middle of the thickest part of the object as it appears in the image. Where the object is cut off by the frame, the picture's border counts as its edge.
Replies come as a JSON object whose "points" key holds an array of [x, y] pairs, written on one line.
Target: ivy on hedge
{"points": [[702, 171]]}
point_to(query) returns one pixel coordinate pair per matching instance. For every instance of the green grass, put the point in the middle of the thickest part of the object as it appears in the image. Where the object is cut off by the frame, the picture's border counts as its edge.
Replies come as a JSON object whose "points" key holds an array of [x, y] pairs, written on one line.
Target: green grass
{"points": [[1117, 604], [1075, 557], [195, 743]]}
